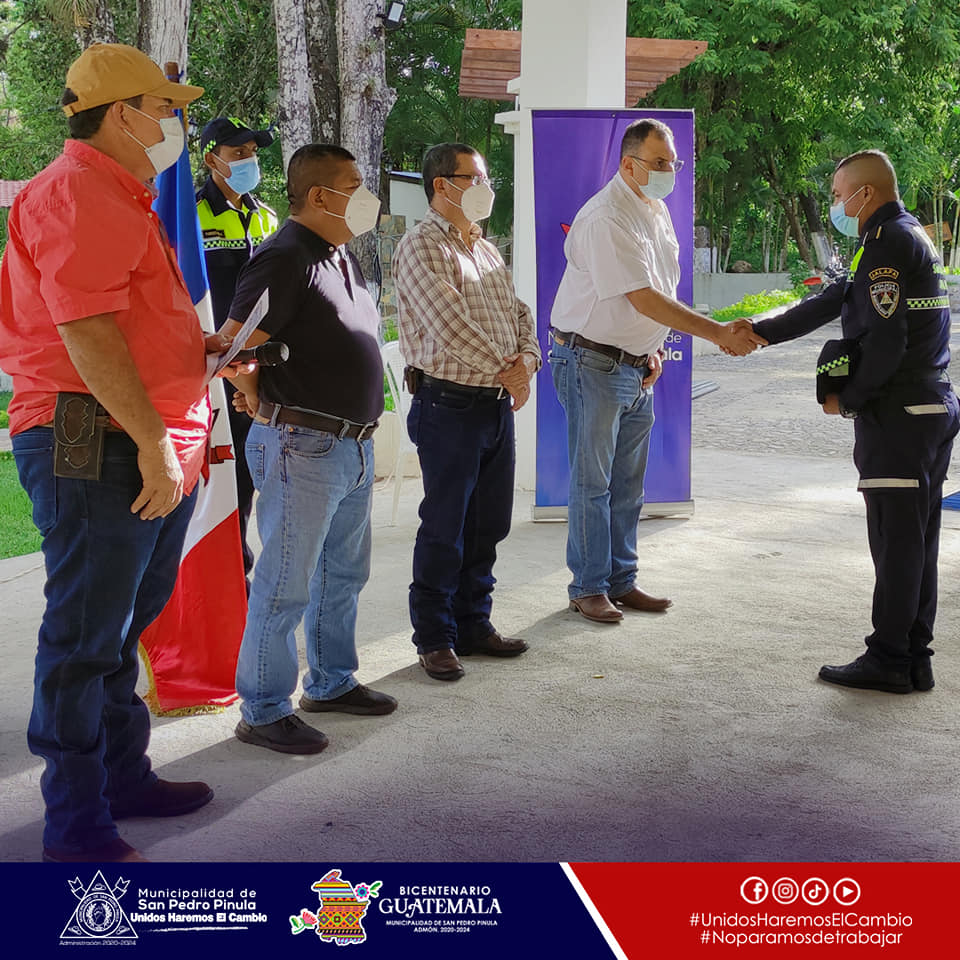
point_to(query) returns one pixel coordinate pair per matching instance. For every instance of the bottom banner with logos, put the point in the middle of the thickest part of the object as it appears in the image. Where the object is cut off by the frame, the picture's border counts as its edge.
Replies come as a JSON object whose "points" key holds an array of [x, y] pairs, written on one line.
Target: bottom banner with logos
{"points": [[481, 909]]}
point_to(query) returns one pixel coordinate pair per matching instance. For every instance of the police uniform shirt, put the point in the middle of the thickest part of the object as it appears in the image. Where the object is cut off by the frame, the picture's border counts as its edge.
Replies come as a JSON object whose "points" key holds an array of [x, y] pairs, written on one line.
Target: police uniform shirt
{"points": [[229, 238], [617, 244], [330, 324], [893, 302]]}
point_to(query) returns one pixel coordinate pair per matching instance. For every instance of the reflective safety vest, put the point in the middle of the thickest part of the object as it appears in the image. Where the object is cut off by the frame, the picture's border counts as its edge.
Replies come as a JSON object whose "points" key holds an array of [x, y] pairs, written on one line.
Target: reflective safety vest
{"points": [[230, 237]]}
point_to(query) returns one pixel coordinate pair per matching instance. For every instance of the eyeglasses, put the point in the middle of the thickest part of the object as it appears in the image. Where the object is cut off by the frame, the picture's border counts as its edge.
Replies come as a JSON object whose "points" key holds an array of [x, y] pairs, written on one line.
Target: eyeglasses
{"points": [[661, 166], [475, 178]]}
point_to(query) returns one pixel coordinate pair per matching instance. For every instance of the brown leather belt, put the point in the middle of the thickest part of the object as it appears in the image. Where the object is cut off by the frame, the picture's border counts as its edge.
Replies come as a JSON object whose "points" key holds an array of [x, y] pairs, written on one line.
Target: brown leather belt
{"points": [[344, 429], [489, 393], [572, 340]]}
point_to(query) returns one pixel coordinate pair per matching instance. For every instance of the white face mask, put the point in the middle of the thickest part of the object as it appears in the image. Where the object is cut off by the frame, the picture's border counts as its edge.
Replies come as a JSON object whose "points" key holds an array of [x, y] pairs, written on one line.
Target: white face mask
{"points": [[476, 202], [165, 153], [660, 184], [363, 210]]}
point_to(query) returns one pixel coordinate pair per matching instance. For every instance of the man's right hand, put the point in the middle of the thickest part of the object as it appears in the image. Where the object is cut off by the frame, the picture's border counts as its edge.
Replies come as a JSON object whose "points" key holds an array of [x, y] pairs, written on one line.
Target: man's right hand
{"points": [[243, 403], [162, 480], [738, 338]]}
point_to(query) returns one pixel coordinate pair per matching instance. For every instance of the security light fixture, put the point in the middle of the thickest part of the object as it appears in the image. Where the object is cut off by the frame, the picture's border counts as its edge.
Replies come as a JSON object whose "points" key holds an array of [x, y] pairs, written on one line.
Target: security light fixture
{"points": [[393, 17]]}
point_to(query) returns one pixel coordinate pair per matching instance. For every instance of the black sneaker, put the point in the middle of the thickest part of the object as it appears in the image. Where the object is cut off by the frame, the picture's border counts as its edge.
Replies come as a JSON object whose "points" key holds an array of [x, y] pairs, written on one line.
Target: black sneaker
{"points": [[360, 700], [286, 735], [921, 673], [866, 673]]}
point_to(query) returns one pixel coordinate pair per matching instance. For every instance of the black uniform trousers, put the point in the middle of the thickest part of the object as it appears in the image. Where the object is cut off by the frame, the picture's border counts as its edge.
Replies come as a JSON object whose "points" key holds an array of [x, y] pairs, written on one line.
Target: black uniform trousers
{"points": [[902, 451]]}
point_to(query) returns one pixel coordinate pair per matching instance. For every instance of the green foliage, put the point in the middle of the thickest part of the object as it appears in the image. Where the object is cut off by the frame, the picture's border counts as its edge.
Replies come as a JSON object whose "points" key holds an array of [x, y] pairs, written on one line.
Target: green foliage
{"points": [[18, 535], [754, 303], [5, 397]]}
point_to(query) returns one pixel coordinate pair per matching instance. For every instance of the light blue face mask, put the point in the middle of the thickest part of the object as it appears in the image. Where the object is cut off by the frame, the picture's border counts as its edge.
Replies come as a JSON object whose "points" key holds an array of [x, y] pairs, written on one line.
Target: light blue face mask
{"points": [[244, 175], [848, 226]]}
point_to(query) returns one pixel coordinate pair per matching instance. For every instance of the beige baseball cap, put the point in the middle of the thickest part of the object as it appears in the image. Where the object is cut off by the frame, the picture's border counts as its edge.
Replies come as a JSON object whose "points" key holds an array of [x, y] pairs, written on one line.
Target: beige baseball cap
{"points": [[107, 72]]}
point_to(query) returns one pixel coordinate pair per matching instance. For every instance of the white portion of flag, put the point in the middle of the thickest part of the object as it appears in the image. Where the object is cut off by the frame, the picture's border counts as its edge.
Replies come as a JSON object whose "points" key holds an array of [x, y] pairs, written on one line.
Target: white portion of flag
{"points": [[594, 912]]}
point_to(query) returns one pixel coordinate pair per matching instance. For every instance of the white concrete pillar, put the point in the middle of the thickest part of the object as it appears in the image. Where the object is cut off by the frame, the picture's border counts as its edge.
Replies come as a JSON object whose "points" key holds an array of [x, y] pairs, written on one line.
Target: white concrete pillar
{"points": [[573, 56]]}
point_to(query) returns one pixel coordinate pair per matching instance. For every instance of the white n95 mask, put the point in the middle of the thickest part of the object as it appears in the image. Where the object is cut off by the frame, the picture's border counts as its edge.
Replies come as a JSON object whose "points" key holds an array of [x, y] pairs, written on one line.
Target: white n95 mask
{"points": [[165, 153], [362, 212], [476, 202]]}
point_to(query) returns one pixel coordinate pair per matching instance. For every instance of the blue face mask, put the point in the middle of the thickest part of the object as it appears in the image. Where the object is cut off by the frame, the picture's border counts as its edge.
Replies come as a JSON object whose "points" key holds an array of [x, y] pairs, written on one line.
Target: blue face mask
{"points": [[244, 175], [848, 226]]}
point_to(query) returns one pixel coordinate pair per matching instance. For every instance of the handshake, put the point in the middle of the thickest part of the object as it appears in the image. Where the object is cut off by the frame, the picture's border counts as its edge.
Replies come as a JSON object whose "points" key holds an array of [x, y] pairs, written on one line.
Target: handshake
{"points": [[737, 338]]}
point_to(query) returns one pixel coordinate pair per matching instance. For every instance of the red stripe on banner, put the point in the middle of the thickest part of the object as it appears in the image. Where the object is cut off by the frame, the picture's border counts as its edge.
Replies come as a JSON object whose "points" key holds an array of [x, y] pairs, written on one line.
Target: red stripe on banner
{"points": [[192, 646], [771, 909]]}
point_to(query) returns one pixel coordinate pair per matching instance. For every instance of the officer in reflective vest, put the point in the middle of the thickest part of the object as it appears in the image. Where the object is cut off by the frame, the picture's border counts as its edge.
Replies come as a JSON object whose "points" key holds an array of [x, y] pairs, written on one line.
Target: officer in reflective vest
{"points": [[894, 304], [233, 223]]}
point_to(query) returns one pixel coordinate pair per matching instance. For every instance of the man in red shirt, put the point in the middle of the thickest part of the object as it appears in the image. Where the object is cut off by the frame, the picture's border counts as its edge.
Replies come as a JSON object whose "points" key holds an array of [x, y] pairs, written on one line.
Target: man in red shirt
{"points": [[92, 304]]}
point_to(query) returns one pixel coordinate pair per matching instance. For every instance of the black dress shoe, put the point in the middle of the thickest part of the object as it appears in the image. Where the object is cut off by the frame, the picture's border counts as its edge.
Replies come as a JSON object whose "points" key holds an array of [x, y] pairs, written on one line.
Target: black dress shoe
{"points": [[494, 646], [921, 674], [360, 700], [286, 735], [866, 674], [116, 851], [442, 664], [162, 799]]}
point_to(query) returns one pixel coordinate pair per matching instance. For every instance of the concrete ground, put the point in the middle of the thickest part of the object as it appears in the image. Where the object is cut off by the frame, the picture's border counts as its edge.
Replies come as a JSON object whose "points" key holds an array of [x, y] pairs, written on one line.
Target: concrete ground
{"points": [[701, 734]]}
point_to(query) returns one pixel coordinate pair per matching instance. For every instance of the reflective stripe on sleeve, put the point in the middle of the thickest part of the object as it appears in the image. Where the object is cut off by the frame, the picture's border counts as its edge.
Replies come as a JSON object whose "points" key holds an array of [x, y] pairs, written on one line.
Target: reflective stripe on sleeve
{"points": [[928, 303], [919, 409], [880, 483]]}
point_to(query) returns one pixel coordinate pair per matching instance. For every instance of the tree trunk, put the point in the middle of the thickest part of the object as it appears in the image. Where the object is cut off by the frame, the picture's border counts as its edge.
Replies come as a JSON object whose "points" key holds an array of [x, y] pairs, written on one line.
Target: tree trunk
{"points": [[295, 107], [98, 26], [322, 60], [365, 102], [162, 34], [818, 236]]}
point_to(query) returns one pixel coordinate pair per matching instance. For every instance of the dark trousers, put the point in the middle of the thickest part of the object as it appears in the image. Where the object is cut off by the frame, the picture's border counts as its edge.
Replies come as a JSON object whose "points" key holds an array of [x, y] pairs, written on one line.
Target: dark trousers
{"points": [[466, 448], [109, 574], [239, 428], [902, 458]]}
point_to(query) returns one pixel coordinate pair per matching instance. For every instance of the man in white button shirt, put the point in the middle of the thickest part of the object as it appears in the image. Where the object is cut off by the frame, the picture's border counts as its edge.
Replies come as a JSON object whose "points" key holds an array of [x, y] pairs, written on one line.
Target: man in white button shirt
{"points": [[614, 308]]}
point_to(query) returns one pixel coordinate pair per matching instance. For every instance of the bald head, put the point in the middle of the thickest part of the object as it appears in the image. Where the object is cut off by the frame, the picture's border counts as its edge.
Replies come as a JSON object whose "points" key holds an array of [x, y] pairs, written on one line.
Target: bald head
{"points": [[867, 180]]}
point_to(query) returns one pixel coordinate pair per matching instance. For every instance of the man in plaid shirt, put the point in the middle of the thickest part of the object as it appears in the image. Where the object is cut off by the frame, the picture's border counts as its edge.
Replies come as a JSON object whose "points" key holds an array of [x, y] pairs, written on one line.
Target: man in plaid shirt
{"points": [[471, 347]]}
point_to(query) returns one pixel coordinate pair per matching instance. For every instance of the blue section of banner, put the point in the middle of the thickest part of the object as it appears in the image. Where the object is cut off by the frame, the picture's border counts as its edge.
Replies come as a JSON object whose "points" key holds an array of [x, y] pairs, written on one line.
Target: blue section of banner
{"points": [[176, 206], [575, 152], [426, 910]]}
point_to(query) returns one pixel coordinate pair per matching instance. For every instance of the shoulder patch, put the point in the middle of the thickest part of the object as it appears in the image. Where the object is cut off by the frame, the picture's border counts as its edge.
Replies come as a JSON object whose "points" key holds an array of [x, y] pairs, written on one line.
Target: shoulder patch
{"points": [[884, 272], [885, 295], [212, 233]]}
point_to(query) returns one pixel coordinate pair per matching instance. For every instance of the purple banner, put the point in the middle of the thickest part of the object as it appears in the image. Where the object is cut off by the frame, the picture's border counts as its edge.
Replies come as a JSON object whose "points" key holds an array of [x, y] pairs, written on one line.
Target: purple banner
{"points": [[575, 152]]}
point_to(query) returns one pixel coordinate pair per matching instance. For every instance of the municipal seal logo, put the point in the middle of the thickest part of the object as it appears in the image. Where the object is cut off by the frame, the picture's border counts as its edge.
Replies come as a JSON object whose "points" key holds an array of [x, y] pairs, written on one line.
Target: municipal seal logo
{"points": [[98, 915], [342, 908], [885, 295]]}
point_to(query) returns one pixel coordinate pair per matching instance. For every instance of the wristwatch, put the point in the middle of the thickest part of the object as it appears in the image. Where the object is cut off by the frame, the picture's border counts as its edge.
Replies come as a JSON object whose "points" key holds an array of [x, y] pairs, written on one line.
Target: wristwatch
{"points": [[845, 412]]}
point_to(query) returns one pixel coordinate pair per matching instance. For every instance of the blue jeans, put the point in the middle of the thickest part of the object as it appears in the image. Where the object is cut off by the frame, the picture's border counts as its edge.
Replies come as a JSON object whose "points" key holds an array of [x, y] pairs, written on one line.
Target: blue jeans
{"points": [[609, 419], [109, 574], [467, 455], [313, 515]]}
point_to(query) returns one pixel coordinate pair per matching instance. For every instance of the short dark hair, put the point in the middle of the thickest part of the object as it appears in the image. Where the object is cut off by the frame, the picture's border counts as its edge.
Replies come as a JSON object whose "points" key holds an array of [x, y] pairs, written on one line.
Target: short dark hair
{"points": [[638, 131], [312, 166], [86, 123], [440, 161]]}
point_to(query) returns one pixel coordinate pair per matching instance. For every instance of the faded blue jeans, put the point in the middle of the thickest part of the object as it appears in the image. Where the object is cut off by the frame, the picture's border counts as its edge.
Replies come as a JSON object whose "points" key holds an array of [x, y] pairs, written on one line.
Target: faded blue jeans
{"points": [[109, 574], [609, 419], [313, 516]]}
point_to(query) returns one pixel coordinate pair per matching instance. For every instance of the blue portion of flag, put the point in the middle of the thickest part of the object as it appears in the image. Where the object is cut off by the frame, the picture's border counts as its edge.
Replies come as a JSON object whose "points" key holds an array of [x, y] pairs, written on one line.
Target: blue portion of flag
{"points": [[177, 208]]}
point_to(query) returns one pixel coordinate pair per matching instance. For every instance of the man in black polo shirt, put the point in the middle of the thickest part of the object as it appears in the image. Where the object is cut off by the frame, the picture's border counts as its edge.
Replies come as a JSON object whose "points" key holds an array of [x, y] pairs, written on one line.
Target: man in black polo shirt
{"points": [[310, 454], [233, 223]]}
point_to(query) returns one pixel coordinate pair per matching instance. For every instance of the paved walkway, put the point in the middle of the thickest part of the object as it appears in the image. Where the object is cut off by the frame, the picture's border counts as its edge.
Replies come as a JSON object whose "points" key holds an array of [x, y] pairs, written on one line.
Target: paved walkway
{"points": [[701, 734]]}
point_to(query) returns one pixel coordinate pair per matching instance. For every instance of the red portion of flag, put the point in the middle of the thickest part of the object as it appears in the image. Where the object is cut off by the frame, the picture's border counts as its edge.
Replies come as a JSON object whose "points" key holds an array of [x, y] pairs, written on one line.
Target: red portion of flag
{"points": [[681, 910], [192, 646]]}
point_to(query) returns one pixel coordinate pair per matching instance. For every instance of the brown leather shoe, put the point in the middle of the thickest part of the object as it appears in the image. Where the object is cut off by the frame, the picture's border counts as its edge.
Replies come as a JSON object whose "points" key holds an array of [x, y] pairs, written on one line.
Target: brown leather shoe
{"points": [[495, 646], [116, 851], [597, 608], [442, 664], [162, 798], [636, 599]]}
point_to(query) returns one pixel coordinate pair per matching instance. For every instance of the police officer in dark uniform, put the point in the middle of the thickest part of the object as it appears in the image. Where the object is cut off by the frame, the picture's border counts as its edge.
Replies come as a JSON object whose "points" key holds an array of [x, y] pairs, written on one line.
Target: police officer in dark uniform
{"points": [[233, 224], [893, 304]]}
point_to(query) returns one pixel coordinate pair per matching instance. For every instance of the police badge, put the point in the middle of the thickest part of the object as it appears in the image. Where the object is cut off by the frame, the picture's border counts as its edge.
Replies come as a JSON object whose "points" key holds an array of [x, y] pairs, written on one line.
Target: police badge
{"points": [[885, 295]]}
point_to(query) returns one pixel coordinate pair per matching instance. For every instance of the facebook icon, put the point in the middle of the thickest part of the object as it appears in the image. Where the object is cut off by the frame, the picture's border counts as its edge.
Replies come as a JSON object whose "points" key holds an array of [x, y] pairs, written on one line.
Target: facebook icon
{"points": [[754, 890]]}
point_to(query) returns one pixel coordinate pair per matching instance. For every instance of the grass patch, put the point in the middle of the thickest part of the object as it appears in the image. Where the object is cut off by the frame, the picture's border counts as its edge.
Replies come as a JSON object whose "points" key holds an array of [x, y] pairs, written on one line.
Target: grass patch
{"points": [[18, 535], [754, 303], [5, 398]]}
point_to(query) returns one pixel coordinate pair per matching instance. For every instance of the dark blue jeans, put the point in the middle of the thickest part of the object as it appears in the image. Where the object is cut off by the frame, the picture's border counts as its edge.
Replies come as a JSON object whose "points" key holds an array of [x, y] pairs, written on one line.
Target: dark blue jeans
{"points": [[109, 574], [467, 456]]}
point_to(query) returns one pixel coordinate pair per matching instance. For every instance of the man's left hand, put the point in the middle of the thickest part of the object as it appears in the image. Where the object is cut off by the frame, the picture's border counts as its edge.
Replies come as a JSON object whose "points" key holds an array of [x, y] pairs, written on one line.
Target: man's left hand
{"points": [[656, 368], [832, 403], [516, 377], [220, 343]]}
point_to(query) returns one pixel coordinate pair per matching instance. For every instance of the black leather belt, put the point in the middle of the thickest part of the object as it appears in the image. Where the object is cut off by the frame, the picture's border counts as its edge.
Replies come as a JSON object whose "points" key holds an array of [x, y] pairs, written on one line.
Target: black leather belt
{"points": [[276, 413], [491, 393], [572, 340]]}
